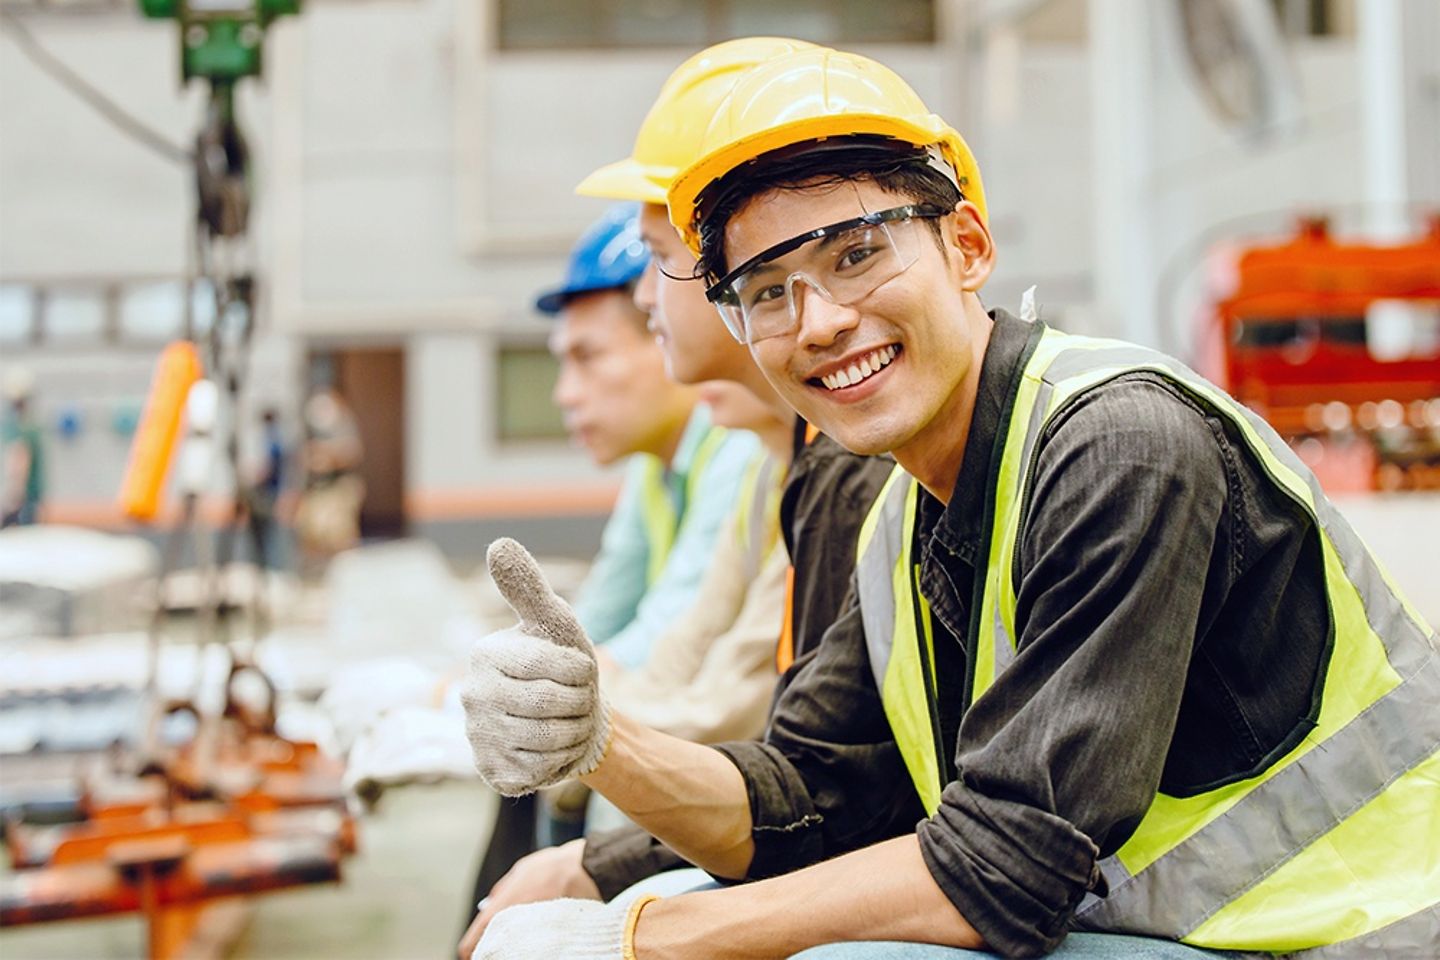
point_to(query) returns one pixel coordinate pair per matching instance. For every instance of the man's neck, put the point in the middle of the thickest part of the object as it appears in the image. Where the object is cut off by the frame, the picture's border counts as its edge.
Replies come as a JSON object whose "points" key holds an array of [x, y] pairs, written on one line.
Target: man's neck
{"points": [[668, 444], [778, 438], [934, 455]]}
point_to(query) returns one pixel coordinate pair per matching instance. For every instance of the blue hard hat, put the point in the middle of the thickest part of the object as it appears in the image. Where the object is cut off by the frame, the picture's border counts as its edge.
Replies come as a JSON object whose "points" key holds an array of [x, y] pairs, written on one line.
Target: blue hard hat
{"points": [[608, 256]]}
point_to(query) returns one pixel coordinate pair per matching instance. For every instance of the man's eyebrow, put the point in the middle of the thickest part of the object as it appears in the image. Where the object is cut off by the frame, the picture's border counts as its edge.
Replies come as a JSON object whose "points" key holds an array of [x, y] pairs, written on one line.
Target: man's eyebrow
{"points": [[835, 235]]}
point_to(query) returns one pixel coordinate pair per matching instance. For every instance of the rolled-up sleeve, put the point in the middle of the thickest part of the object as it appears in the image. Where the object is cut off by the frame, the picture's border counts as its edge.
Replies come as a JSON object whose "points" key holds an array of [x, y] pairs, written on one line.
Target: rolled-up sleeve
{"points": [[616, 859], [1060, 759]]}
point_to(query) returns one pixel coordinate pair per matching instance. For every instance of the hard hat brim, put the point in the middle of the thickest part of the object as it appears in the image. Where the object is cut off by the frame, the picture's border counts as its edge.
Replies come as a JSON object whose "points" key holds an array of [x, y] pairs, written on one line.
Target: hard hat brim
{"points": [[627, 179]]}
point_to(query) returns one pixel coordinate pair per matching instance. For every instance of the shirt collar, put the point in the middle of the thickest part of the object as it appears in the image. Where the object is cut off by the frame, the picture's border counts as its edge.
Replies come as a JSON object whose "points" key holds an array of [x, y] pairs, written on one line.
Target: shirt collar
{"points": [[958, 526]]}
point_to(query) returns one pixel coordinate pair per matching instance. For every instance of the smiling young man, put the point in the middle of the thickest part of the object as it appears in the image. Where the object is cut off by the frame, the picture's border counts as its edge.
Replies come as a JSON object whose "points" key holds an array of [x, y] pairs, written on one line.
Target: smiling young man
{"points": [[1112, 650]]}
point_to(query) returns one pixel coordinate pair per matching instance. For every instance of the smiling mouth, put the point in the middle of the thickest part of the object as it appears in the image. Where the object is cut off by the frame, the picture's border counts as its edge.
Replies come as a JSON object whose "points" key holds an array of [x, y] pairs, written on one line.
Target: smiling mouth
{"points": [[859, 371]]}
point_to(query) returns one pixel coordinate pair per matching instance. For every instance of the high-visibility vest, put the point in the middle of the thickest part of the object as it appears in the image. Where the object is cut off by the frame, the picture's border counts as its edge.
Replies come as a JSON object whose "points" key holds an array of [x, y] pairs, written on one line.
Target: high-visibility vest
{"points": [[659, 509], [1334, 848]]}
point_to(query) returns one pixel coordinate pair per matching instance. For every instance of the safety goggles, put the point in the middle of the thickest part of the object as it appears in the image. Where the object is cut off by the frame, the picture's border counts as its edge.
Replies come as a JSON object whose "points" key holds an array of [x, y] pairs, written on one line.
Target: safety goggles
{"points": [[843, 262]]}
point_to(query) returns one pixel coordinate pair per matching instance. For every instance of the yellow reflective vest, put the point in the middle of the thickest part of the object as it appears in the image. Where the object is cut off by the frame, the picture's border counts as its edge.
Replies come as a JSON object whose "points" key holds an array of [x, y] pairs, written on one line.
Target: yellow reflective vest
{"points": [[658, 507], [1333, 849]]}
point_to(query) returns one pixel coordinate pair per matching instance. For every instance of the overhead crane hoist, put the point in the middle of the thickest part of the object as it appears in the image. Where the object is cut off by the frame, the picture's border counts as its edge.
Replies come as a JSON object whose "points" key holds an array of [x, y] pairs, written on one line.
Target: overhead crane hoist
{"points": [[239, 809]]}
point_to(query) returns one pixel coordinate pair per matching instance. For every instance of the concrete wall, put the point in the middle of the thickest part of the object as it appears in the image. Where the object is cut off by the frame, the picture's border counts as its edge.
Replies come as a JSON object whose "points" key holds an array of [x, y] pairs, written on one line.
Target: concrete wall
{"points": [[415, 187]]}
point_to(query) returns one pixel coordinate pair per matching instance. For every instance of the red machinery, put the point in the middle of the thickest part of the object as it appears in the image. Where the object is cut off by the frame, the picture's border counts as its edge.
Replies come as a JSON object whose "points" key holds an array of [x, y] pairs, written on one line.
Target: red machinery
{"points": [[1337, 345]]}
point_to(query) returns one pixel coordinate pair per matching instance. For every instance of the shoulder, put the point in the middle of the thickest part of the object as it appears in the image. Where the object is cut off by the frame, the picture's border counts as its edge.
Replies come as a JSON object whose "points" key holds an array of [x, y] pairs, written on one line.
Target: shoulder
{"points": [[1140, 419], [725, 451]]}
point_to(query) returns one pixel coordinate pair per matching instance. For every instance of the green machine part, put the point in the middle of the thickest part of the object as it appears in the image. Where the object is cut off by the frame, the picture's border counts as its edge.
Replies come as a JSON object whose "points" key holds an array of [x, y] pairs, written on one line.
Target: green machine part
{"points": [[220, 40]]}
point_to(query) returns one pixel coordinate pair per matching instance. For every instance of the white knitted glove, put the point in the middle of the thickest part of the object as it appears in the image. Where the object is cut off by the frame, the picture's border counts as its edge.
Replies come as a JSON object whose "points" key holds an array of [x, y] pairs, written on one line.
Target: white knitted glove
{"points": [[563, 930], [533, 709]]}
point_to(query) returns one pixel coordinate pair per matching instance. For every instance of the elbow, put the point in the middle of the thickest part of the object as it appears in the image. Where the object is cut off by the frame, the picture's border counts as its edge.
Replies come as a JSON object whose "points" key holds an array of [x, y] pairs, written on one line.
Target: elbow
{"points": [[1018, 904]]}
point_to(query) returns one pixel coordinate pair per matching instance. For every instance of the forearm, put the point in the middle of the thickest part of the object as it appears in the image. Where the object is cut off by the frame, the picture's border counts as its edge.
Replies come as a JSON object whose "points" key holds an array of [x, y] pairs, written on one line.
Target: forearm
{"points": [[689, 796], [883, 892]]}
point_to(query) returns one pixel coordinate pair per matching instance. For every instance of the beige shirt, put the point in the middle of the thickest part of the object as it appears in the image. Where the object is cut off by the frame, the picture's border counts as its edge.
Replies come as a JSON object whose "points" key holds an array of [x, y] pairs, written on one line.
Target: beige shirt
{"points": [[711, 675]]}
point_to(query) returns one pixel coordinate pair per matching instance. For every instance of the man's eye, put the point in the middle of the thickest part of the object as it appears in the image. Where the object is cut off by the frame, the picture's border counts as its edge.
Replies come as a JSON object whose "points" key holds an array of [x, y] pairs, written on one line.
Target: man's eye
{"points": [[776, 291], [856, 255]]}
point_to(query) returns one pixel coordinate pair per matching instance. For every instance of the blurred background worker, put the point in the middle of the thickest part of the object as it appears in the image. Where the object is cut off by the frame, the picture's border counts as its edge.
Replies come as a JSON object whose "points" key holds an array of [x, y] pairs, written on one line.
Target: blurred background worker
{"points": [[22, 453], [327, 519], [682, 479], [262, 473]]}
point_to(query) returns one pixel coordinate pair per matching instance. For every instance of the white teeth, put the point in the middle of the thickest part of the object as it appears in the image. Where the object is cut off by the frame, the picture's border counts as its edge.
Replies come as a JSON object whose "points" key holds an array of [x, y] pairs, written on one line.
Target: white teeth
{"points": [[862, 369]]}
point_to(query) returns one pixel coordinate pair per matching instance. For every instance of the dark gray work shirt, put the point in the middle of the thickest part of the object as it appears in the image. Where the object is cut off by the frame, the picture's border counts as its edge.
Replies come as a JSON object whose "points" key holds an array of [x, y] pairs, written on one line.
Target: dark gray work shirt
{"points": [[1172, 629]]}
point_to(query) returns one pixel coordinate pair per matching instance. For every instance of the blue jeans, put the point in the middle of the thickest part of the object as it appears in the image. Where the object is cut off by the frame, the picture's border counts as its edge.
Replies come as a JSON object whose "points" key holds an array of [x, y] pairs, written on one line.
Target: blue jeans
{"points": [[1075, 947]]}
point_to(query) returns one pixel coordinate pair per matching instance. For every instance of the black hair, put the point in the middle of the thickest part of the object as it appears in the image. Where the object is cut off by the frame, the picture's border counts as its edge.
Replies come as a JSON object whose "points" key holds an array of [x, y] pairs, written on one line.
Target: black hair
{"points": [[900, 168]]}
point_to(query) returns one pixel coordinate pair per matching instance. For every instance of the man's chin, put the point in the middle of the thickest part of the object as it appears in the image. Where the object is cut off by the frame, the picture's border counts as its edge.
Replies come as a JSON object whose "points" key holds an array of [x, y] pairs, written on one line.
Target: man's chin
{"points": [[859, 440]]}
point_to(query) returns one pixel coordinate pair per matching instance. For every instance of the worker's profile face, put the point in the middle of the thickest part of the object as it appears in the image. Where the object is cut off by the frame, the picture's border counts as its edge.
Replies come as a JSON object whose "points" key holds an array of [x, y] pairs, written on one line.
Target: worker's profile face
{"points": [[899, 353], [696, 344], [612, 387]]}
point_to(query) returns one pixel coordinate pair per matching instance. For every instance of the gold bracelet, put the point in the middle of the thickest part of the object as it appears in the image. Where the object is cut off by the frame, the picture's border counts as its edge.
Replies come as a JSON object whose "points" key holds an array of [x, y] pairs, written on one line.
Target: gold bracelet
{"points": [[632, 920]]}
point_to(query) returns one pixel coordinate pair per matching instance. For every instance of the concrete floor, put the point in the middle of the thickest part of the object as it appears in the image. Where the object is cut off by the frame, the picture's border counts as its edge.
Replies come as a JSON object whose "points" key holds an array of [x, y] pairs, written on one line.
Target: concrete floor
{"points": [[402, 898]]}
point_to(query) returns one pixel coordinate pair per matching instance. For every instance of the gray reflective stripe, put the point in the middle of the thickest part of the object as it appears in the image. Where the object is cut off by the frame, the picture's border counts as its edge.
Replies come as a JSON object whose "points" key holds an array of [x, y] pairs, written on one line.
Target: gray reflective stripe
{"points": [[875, 578], [1004, 646], [759, 518], [1115, 876], [1280, 817], [1033, 432], [1406, 644], [1416, 937]]}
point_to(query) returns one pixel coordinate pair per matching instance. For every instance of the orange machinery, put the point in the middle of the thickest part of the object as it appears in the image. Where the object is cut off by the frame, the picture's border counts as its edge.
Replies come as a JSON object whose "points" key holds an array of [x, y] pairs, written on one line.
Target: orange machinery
{"points": [[1295, 335], [237, 811]]}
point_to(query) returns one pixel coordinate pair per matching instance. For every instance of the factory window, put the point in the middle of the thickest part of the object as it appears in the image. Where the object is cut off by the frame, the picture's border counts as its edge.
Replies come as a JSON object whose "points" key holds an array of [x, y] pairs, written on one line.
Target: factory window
{"points": [[524, 383], [76, 316], [17, 313], [153, 312], [566, 24]]}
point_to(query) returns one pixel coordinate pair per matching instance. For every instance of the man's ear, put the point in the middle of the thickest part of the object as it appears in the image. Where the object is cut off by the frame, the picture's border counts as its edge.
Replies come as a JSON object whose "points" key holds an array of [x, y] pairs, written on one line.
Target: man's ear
{"points": [[968, 240]]}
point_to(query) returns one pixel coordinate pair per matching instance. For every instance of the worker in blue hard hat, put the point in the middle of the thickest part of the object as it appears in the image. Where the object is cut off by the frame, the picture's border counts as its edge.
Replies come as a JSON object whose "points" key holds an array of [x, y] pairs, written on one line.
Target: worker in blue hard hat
{"points": [[682, 475]]}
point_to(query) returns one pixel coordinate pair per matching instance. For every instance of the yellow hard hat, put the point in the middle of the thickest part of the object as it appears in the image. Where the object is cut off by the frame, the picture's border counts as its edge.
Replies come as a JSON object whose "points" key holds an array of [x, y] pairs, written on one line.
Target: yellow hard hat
{"points": [[812, 95], [669, 139]]}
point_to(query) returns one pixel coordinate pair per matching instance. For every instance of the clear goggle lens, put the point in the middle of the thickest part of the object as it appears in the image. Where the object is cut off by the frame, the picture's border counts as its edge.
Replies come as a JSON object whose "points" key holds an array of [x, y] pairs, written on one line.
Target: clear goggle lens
{"points": [[844, 263]]}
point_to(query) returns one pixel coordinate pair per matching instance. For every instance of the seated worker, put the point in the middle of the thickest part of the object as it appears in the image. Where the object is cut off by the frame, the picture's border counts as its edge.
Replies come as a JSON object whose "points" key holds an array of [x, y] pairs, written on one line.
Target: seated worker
{"points": [[827, 490], [1113, 650], [682, 475]]}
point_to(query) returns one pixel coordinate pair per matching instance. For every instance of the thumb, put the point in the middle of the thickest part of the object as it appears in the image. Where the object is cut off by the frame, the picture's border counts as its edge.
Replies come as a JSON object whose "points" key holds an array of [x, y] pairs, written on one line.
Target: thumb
{"points": [[524, 587]]}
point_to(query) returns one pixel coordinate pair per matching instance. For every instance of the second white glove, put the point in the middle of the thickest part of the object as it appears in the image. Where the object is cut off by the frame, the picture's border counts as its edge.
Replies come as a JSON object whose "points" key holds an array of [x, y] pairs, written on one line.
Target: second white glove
{"points": [[534, 713], [568, 929]]}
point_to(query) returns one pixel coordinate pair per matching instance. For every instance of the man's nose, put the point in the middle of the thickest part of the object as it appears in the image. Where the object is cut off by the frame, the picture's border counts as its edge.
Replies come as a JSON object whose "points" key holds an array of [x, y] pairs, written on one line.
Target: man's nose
{"points": [[566, 393], [821, 321], [645, 297]]}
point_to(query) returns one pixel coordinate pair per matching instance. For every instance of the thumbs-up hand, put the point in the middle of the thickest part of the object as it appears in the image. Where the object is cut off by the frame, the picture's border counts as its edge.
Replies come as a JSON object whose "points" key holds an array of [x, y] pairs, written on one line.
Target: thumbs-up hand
{"points": [[533, 710]]}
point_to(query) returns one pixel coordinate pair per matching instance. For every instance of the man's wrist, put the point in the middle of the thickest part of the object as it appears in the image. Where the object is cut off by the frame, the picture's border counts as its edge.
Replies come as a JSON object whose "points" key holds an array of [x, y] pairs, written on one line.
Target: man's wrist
{"points": [[654, 936]]}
